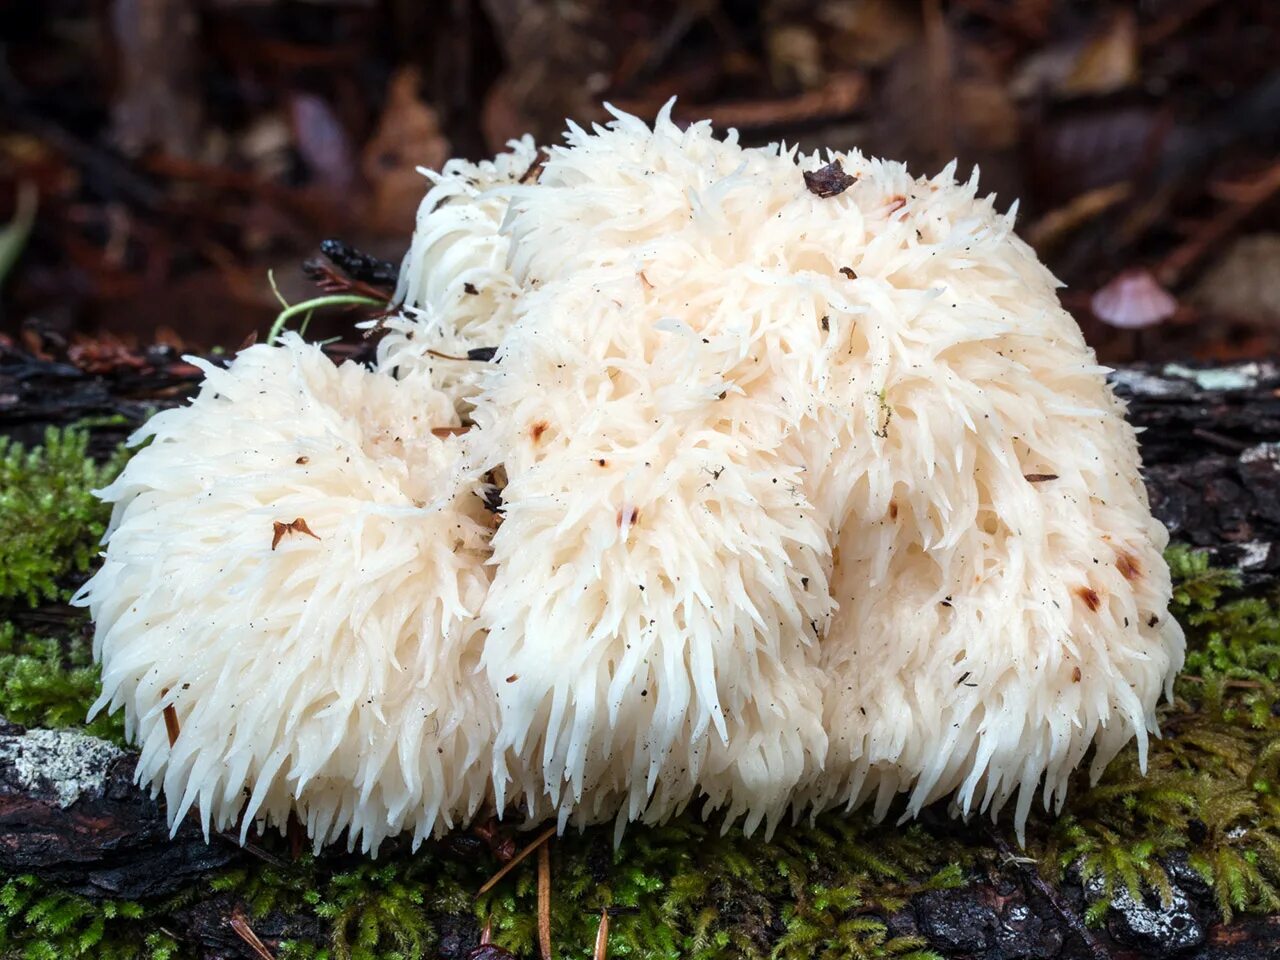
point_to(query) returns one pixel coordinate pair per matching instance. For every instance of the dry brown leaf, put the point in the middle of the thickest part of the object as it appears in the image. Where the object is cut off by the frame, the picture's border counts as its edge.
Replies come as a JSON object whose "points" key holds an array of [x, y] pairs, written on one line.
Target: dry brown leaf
{"points": [[1080, 210], [408, 137], [1244, 282], [986, 114], [1108, 62], [868, 33], [280, 530]]}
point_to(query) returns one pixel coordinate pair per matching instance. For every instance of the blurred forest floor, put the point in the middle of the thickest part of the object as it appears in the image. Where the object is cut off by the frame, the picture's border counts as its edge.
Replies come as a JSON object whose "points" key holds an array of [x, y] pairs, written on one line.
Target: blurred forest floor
{"points": [[158, 157]]}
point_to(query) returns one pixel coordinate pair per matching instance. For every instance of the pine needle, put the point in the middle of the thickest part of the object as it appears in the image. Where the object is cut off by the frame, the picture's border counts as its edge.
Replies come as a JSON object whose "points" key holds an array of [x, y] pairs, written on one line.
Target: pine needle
{"points": [[245, 932], [511, 864], [601, 951], [544, 900]]}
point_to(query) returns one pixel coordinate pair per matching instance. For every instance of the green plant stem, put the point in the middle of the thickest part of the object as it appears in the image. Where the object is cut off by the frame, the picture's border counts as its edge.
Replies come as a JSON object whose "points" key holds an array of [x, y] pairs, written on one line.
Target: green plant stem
{"points": [[307, 306]]}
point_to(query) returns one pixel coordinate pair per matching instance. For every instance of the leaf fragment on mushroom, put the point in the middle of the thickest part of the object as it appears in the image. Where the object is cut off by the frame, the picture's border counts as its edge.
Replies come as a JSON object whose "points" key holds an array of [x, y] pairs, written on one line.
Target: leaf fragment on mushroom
{"points": [[281, 529], [829, 181]]}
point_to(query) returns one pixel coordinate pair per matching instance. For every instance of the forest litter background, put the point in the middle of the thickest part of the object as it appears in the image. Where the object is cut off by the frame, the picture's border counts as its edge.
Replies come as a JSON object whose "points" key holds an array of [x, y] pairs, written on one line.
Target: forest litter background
{"points": [[166, 168]]}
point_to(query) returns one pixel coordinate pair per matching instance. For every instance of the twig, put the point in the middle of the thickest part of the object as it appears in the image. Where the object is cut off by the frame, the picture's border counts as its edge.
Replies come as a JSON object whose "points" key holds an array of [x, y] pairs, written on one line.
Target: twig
{"points": [[1244, 199], [510, 865], [601, 951], [474, 355], [444, 356], [13, 235], [330, 280], [1051, 894], [296, 835], [240, 924], [544, 900], [843, 94], [249, 847], [171, 725], [1218, 440]]}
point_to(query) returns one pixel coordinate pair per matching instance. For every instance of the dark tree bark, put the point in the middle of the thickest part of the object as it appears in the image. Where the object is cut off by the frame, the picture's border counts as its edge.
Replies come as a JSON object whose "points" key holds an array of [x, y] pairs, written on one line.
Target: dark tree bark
{"points": [[1211, 446], [70, 813]]}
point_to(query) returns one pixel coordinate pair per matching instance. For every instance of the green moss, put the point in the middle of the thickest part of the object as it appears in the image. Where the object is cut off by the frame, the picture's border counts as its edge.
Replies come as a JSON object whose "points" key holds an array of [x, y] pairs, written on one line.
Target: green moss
{"points": [[1212, 786], [677, 891], [40, 923], [50, 522], [51, 682]]}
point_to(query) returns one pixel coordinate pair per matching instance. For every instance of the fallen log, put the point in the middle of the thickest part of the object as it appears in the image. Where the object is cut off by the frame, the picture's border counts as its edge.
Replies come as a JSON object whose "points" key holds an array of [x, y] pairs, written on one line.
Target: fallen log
{"points": [[1210, 444], [71, 814]]}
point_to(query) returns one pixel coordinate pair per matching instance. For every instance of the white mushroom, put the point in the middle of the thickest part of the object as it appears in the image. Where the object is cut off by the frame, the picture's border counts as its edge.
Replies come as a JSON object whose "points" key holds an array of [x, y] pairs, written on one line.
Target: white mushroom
{"points": [[1001, 588], [292, 572], [814, 494], [890, 353], [456, 292]]}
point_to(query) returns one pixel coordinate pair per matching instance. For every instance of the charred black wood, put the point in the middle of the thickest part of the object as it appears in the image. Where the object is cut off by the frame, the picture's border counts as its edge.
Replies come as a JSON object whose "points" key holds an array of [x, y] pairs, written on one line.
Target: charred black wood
{"points": [[361, 266]]}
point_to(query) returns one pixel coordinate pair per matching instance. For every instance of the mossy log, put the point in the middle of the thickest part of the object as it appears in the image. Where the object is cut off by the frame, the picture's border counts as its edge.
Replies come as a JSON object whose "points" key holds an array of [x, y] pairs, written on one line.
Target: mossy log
{"points": [[75, 832]]}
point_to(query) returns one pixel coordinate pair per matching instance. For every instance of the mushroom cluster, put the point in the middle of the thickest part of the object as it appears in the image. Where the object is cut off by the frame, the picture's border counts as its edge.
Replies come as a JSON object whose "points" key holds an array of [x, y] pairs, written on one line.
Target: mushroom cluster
{"points": [[808, 492]]}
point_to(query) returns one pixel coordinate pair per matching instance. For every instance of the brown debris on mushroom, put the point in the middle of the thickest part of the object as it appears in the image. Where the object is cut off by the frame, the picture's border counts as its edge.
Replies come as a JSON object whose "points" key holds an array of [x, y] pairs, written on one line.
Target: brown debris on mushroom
{"points": [[1129, 566], [1090, 597], [829, 181], [281, 529]]}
